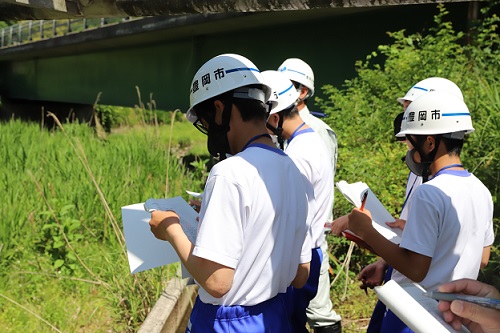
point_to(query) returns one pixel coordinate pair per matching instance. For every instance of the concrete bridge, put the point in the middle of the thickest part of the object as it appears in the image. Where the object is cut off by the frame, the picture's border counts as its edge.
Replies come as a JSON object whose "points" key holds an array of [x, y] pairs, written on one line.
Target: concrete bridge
{"points": [[160, 54], [48, 9]]}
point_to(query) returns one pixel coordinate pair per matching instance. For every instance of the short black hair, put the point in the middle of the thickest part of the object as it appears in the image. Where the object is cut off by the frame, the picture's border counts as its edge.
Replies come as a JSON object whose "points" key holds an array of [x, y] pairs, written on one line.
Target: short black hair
{"points": [[290, 112], [453, 146], [251, 109]]}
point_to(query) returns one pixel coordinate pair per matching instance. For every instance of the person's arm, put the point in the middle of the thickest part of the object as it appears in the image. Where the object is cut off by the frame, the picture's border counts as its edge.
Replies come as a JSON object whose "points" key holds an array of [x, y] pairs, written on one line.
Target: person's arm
{"points": [[411, 264], [302, 275], [215, 278], [485, 257], [476, 317]]}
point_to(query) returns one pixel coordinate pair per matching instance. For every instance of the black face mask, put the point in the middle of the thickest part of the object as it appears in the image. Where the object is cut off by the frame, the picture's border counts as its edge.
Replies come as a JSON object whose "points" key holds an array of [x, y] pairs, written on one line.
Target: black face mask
{"points": [[420, 169], [217, 143]]}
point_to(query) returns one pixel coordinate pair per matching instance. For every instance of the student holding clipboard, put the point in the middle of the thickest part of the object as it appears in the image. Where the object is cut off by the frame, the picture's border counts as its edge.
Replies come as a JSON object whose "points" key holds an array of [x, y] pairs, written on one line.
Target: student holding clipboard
{"points": [[449, 229]]}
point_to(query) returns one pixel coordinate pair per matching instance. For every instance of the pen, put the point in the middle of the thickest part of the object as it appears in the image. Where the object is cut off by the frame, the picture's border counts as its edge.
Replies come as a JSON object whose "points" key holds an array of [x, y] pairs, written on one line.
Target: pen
{"points": [[483, 301], [363, 200]]}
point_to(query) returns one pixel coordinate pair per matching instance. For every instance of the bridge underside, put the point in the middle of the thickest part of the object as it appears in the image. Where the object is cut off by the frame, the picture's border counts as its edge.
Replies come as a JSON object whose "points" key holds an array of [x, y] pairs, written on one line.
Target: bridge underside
{"points": [[159, 55], [56, 9]]}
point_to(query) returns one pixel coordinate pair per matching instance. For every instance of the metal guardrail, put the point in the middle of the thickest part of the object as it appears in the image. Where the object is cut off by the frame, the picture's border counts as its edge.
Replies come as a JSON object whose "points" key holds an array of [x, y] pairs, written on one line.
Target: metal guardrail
{"points": [[33, 31]]}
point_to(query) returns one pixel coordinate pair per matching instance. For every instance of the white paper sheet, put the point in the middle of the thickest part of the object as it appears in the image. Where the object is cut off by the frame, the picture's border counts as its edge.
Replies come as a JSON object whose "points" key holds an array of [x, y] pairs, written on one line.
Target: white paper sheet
{"points": [[186, 213], [194, 194], [144, 250], [380, 215]]}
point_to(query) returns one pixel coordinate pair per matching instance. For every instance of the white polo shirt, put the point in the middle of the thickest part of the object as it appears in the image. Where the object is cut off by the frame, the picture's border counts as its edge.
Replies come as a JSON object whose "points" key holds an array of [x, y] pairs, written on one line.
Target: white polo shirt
{"points": [[253, 219], [309, 152], [450, 220]]}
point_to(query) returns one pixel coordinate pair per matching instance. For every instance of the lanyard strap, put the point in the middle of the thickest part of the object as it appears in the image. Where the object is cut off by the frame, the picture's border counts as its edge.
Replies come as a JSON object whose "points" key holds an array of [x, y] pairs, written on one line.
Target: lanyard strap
{"points": [[447, 167], [253, 139], [297, 131], [409, 192], [437, 173]]}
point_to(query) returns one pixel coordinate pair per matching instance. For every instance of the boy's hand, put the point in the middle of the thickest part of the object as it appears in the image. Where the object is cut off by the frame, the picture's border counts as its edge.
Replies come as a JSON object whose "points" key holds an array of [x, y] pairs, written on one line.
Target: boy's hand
{"points": [[360, 221], [399, 223], [372, 275], [164, 224]]}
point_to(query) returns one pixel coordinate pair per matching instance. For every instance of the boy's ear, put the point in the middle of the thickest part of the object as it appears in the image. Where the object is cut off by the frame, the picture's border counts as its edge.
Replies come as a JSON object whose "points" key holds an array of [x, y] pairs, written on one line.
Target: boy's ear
{"points": [[275, 118], [431, 141], [219, 107], [303, 92]]}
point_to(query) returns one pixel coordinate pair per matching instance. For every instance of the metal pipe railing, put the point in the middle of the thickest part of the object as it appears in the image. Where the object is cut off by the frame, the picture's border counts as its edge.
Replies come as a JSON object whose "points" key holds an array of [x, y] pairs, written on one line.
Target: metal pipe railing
{"points": [[33, 31]]}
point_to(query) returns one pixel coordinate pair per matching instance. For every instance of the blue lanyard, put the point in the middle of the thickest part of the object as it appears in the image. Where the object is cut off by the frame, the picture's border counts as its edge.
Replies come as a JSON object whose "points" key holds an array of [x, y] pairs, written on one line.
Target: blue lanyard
{"points": [[298, 132], [295, 132], [409, 192], [253, 139], [447, 167], [437, 173]]}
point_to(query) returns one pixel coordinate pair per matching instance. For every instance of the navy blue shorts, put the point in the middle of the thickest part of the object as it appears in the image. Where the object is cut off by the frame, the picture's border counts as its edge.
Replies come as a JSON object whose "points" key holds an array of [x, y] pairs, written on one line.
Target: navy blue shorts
{"points": [[299, 298], [269, 316], [392, 324]]}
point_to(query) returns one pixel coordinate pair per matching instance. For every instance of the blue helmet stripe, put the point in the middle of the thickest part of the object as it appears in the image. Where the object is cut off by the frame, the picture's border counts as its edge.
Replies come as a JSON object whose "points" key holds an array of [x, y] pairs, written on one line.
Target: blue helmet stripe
{"points": [[291, 70], [420, 88], [455, 114], [287, 89], [242, 69]]}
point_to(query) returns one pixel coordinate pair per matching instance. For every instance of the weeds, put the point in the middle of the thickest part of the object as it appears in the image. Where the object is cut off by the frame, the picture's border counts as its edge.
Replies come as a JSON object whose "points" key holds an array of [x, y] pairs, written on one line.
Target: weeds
{"points": [[69, 188]]}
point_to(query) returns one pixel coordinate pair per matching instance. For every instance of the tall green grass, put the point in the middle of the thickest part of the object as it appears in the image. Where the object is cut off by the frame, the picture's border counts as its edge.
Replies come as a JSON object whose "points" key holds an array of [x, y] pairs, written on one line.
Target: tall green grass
{"points": [[63, 263]]}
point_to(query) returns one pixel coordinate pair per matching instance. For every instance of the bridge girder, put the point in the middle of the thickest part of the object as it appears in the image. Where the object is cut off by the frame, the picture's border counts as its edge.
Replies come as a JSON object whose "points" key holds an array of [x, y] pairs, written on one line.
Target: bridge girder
{"points": [[59, 9]]}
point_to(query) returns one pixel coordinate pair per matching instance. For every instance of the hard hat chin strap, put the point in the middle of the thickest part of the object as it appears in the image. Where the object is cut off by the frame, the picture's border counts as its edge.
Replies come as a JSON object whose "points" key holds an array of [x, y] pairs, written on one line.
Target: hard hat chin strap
{"points": [[218, 144], [423, 168], [278, 131]]}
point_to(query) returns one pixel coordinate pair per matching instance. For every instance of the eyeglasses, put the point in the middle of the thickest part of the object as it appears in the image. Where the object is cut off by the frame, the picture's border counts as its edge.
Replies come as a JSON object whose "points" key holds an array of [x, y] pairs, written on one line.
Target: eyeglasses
{"points": [[199, 125]]}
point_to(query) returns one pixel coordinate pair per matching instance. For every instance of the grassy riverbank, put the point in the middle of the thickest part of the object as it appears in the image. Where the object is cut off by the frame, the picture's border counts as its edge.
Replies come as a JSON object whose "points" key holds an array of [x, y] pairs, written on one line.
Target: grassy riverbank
{"points": [[63, 262]]}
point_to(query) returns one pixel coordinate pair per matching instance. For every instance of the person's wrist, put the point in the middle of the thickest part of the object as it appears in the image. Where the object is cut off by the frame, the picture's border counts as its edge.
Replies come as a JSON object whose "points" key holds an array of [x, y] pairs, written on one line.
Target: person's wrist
{"points": [[382, 264], [367, 232], [175, 232]]}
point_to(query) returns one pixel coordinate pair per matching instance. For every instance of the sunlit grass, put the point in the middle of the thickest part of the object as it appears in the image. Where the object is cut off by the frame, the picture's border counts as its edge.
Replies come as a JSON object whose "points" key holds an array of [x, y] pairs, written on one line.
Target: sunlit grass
{"points": [[61, 263]]}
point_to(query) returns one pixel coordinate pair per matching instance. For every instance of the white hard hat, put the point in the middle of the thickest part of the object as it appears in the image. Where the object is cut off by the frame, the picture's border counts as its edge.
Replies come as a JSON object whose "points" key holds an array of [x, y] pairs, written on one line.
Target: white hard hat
{"points": [[437, 112], [224, 73], [283, 91], [431, 84], [299, 71]]}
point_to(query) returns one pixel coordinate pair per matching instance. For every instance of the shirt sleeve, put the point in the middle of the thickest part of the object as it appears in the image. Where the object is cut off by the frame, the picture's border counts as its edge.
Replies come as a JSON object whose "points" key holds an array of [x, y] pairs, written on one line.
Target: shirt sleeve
{"points": [[489, 237], [421, 231], [220, 234]]}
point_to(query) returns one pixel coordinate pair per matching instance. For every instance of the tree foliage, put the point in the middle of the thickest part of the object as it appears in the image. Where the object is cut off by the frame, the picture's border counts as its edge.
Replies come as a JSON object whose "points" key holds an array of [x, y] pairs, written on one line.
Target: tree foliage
{"points": [[362, 110]]}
